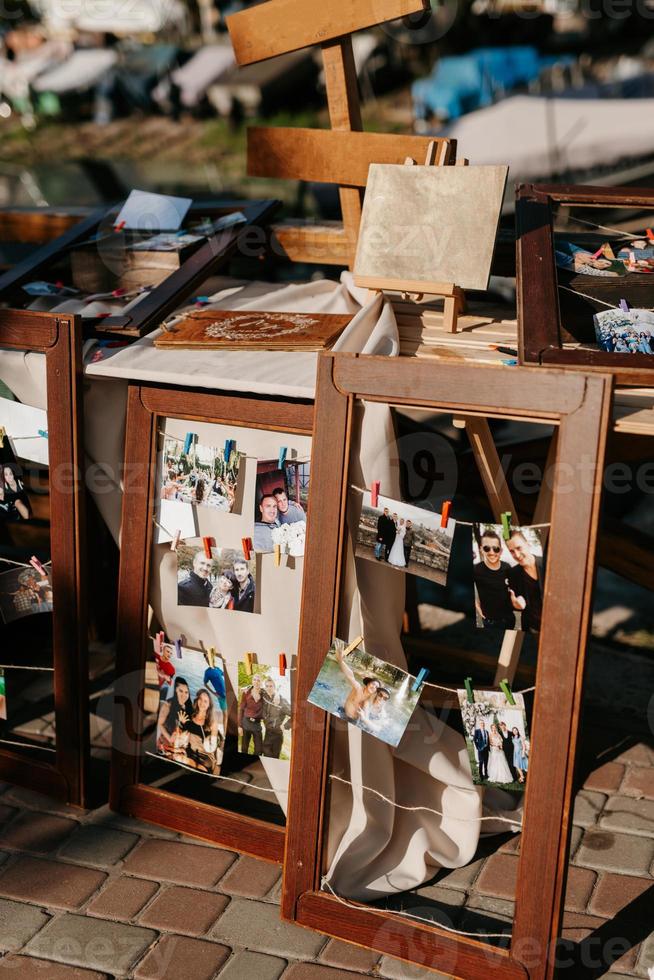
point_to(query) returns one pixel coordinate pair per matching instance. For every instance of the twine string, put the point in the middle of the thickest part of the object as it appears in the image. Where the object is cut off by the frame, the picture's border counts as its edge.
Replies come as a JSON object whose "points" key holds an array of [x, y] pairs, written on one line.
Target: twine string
{"points": [[226, 779]]}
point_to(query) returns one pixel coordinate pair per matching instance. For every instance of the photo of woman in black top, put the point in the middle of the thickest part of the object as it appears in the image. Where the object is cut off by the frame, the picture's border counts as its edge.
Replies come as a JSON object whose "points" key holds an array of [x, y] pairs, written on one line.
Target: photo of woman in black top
{"points": [[14, 502]]}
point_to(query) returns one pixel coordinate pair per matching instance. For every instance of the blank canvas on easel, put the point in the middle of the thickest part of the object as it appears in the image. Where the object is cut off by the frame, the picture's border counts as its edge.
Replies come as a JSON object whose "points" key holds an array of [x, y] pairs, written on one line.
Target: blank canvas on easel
{"points": [[430, 224]]}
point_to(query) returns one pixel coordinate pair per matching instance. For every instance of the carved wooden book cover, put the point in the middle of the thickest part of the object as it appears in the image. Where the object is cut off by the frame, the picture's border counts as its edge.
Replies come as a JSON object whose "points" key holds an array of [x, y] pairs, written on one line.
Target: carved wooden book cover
{"points": [[254, 330]]}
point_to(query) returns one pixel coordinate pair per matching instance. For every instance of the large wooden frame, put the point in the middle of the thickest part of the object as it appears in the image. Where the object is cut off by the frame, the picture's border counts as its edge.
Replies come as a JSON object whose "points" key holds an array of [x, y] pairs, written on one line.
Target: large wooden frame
{"points": [[542, 332], [147, 406], [59, 338], [579, 406]]}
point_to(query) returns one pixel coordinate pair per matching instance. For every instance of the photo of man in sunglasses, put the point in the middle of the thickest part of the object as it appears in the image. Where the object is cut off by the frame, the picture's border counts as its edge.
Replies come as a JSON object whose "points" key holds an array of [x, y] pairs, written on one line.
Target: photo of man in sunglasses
{"points": [[491, 576]]}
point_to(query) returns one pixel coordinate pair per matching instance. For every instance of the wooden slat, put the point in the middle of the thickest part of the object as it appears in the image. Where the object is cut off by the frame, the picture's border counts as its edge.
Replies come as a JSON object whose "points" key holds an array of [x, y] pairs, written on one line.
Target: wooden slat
{"points": [[327, 155], [38, 331], [36, 227], [306, 241], [279, 26]]}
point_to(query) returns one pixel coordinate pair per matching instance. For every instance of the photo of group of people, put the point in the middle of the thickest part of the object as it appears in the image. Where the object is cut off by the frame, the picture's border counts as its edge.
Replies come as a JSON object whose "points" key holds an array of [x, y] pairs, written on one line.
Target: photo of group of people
{"points": [[405, 537], [625, 331], [264, 711], [192, 708], [24, 592], [201, 477], [280, 506], [496, 738], [14, 502], [508, 577], [226, 580], [636, 257], [365, 691]]}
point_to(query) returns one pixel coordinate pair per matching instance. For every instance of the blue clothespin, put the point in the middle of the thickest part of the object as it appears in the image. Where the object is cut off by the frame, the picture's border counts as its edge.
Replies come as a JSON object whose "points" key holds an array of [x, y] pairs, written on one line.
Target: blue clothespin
{"points": [[43, 433], [228, 449], [188, 442], [624, 306], [282, 457], [178, 649], [202, 300], [423, 674], [512, 362]]}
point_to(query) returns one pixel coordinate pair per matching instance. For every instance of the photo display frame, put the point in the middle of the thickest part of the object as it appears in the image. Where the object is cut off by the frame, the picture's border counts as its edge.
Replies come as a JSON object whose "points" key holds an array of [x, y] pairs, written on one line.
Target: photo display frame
{"points": [[59, 339], [144, 786], [578, 406], [556, 305]]}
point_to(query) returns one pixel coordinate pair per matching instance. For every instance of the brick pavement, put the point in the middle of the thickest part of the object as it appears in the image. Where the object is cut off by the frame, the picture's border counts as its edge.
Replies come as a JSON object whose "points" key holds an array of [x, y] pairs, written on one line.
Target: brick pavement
{"points": [[93, 895]]}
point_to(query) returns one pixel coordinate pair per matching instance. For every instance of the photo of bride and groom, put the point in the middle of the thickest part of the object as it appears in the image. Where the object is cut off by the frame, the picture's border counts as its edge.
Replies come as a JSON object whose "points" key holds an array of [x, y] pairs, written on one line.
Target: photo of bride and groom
{"points": [[407, 538], [496, 739]]}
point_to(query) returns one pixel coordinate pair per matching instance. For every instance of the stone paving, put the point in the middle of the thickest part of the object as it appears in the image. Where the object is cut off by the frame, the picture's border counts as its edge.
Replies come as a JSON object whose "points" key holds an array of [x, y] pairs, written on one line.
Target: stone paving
{"points": [[91, 895]]}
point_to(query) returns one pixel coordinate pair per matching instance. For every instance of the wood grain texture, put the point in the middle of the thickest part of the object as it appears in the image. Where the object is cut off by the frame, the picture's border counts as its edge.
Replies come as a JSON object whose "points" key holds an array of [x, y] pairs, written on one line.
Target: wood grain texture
{"points": [[305, 241], [327, 155], [20, 327], [279, 26], [36, 227]]}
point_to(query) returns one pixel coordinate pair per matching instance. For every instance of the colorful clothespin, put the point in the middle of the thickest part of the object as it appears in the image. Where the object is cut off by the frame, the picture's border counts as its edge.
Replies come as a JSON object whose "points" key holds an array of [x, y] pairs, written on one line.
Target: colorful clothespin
{"points": [[278, 554], [188, 442], [176, 539], [468, 686], [229, 446], [282, 457], [599, 251], [43, 433], [178, 649], [282, 665], [246, 545], [160, 641], [445, 513], [506, 525], [201, 300], [650, 234], [119, 225], [624, 305], [206, 544], [375, 487], [507, 691], [511, 362], [35, 563], [423, 673]]}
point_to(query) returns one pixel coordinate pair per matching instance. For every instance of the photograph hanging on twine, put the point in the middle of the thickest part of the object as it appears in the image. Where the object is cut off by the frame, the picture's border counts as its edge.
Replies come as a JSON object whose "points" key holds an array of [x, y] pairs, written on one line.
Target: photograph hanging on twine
{"points": [[365, 691], [625, 331], [264, 711], [575, 258], [496, 738], [508, 576], [25, 592], [200, 476], [280, 505], [14, 502], [404, 537], [191, 716], [226, 580]]}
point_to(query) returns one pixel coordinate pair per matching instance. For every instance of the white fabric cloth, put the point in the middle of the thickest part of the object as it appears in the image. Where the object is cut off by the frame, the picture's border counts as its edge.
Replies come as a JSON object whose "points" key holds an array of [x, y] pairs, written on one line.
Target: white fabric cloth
{"points": [[81, 71], [202, 70]]}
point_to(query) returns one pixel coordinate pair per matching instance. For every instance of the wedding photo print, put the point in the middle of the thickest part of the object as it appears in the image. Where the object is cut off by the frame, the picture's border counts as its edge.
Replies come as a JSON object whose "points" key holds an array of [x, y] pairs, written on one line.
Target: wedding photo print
{"points": [[227, 580], [365, 691], [191, 716], [625, 331], [280, 506], [496, 738], [199, 475], [508, 577], [24, 592], [405, 537], [264, 711]]}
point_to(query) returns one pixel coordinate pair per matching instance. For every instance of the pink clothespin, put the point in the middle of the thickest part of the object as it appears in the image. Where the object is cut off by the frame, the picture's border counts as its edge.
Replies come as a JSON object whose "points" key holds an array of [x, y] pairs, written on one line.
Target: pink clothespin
{"points": [[445, 513], [176, 539], [624, 306], [374, 492], [35, 563]]}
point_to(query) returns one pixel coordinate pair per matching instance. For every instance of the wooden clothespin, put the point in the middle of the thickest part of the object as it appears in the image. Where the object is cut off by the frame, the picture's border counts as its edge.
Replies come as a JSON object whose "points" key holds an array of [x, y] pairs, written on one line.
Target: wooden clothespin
{"points": [[374, 492], [35, 563], [353, 645], [282, 457], [506, 525], [178, 649], [246, 545], [624, 305], [282, 665], [3, 433], [207, 545], [176, 539], [445, 513], [468, 686], [278, 555], [423, 673], [249, 661], [507, 691], [188, 442]]}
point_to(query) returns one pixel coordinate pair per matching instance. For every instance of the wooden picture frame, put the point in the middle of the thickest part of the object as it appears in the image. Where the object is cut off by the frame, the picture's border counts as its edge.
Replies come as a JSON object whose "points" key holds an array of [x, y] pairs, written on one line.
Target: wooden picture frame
{"points": [[178, 286], [59, 338], [147, 405], [578, 406], [551, 321]]}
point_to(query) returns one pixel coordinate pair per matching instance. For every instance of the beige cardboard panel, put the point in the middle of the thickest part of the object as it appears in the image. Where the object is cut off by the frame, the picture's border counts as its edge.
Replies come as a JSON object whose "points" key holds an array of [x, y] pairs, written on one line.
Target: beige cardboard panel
{"points": [[430, 224]]}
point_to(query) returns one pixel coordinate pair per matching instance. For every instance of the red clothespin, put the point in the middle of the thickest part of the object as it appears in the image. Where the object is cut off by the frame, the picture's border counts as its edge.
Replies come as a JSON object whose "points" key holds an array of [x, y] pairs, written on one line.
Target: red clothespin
{"points": [[650, 234], [35, 563], [282, 665], [445, 513], [207, 543], [246, 545], [119, 226], [374, 492], [176, 539]]}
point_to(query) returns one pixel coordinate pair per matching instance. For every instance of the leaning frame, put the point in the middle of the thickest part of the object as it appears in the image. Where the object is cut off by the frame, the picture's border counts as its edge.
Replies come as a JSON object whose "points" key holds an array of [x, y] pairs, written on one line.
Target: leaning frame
{"points": [[59, 338], [579, 405], [147, 406]]}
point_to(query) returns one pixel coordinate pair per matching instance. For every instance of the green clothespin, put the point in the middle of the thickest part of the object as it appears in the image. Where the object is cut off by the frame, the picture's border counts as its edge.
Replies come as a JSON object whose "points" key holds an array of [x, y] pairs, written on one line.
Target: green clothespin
{"points": [[506, 525], [468, 685], [507, 691]]}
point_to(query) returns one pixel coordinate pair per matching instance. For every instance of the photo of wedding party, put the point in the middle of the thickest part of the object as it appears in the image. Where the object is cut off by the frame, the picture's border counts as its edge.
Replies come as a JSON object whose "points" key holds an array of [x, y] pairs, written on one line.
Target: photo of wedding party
{"points": [[280, 506], [625, 331], [226, 580], [191, 718], [264, 711], [24, 592], [201, 476], [508, 577], [496, 738], [365, 691], [404, 537]]}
